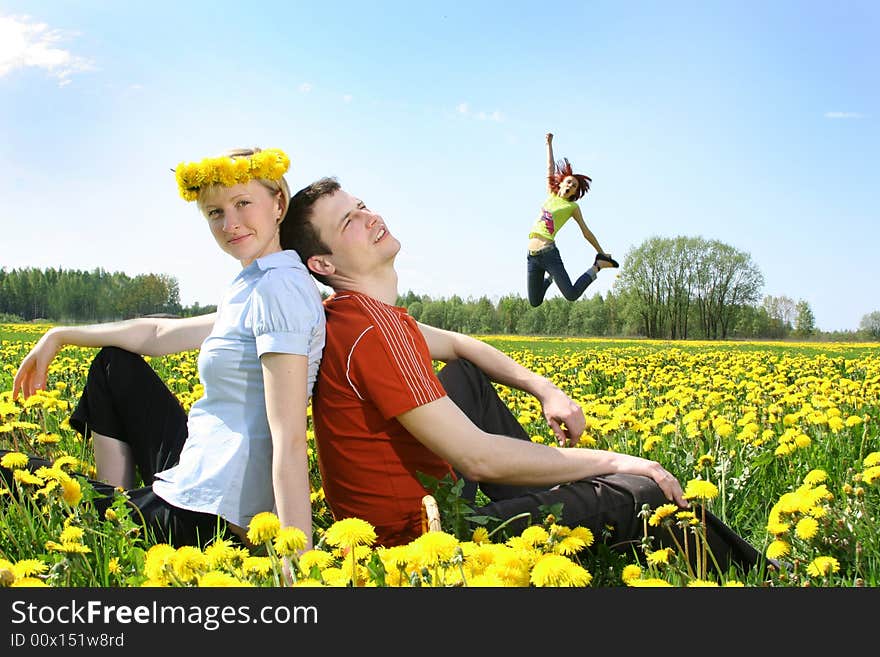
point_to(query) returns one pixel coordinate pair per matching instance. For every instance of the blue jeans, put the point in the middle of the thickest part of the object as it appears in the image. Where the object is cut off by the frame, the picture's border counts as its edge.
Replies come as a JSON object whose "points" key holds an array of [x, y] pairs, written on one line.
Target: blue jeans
{"points": [[549, 261]]}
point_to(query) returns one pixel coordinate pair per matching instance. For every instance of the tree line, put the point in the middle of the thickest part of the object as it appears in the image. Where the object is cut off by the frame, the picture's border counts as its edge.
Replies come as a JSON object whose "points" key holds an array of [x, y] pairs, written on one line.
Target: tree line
{"points": [[71, 295], [668, 288]]}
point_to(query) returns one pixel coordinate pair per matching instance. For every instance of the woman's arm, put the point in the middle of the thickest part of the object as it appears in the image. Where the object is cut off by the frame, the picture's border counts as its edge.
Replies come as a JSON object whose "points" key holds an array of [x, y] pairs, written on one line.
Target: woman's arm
{"points": [[286, 380], [148, 336], [588, 234], [551, 163]]}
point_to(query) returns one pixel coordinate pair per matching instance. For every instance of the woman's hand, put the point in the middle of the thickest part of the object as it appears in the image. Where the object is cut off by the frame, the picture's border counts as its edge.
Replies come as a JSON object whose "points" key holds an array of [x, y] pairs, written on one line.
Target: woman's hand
{"points": [[33, 371], [549, 138]]}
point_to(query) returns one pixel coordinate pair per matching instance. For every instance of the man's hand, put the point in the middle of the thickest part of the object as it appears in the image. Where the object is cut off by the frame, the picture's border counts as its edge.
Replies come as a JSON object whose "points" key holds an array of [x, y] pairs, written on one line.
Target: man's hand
{"points": [[565, 417]]}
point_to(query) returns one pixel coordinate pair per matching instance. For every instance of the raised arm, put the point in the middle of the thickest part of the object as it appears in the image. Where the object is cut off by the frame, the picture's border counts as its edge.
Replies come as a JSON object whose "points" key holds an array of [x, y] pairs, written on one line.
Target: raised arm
{"points": [[286, 381], [444, 429], [565, 417], [147, 336], [551, 163]]}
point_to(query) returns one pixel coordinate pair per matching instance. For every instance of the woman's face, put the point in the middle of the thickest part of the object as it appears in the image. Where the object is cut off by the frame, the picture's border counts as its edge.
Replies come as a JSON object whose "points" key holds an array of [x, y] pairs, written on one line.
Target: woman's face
{"points": [[568, 187], [244, 220]]}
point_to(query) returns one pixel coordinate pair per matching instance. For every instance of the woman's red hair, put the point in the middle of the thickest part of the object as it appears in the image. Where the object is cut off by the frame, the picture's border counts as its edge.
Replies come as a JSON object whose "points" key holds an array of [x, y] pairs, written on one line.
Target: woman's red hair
{"points": [[563, 170]]}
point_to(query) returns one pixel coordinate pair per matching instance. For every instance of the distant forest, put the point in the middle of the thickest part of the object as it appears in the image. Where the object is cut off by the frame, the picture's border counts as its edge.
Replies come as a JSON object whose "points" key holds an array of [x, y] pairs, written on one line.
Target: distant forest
{"points": [[683, 288]]}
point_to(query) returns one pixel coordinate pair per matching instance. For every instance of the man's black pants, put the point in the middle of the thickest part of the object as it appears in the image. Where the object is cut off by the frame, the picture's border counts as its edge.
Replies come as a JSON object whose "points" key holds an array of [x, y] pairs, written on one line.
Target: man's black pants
{"points": [[596, 502]]}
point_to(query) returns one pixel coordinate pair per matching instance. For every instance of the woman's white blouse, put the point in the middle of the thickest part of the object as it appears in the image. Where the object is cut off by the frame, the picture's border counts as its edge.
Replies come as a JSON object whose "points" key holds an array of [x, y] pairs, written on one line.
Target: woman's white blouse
{"points": [[225, 466]]}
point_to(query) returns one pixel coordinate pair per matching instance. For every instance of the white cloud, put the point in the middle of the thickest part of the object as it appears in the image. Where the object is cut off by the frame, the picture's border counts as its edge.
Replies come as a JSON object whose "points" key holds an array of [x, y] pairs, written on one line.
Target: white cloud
{"points": [[347, 98], [844, 115], [306, 87], [465, 110], [27, 43]]}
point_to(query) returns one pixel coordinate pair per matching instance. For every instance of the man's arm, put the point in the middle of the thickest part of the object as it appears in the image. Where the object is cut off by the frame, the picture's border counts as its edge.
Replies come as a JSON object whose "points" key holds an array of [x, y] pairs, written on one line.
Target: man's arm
{"points": [[479, 456], [565, 417]]}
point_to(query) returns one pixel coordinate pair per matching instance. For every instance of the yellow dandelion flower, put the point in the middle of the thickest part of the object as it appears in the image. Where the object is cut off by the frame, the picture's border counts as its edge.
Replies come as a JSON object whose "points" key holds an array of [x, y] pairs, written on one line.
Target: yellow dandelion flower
{"points": [[700, 489], [188, 562], [28, 582], [687, 518], [778, 548], [113, 566], [68, 548], [650, 582], [872, 474], [220, 553], [29, 567], [701, 583], [480, 535], [705, 461], [336, 576], [110, 514], [26, 477], [660, 556], [257, 565], [630, 571], [823, 566], [313, 558], [815, 476], [71, 491], [662, 512], [289, 541], [307, 582], [556, 570], [871, 460], [350, 532], [71, 534], [483, 580], [14, 460], [535, 535], [434, 547], [263, 527], [568, 545], [806, 528], [584, 534], [157, 561], [216, 578], [733, 583]]}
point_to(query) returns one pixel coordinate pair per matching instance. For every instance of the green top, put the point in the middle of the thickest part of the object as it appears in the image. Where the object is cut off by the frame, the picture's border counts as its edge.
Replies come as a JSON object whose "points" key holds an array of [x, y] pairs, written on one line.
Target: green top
{"points": [[554, 213]]}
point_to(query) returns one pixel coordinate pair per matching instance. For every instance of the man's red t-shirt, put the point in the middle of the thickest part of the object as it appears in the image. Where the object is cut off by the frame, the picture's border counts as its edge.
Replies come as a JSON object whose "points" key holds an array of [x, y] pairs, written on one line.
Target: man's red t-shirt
{"points": [[376, 365]]}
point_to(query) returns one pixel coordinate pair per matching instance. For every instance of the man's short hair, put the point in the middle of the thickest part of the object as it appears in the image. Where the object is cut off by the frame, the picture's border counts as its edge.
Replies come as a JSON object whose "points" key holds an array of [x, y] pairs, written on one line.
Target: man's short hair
{"points": [[297, 230]]}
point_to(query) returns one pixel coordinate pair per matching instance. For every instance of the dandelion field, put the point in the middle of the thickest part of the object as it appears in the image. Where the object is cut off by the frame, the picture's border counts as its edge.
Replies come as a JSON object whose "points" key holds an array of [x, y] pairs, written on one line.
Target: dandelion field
{"points": [[781, 441]]}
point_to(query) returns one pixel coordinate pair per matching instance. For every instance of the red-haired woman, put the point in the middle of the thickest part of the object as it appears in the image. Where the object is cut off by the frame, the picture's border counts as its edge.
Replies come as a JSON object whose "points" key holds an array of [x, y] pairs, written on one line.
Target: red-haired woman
{"points": [[564, 188]]}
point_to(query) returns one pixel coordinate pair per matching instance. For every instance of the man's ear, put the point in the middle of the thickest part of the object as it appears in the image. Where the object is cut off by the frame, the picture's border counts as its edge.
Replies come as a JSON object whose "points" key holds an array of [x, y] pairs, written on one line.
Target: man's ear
{"points": [[319, 264]]}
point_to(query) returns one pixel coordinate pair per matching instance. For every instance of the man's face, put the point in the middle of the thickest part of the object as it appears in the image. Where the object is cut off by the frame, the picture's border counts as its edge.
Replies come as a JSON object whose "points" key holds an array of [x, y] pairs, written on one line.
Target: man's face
{"points": [[358, 239]]}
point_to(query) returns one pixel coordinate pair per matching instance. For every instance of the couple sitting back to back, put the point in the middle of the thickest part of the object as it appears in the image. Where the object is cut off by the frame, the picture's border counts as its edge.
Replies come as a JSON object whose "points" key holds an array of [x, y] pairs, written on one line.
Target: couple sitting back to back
{"points": [[381, 414]]}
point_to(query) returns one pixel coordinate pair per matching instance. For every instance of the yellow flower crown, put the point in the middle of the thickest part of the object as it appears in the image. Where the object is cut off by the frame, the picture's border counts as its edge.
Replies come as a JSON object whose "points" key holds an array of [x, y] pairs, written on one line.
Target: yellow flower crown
{"points": [[269, 164]]}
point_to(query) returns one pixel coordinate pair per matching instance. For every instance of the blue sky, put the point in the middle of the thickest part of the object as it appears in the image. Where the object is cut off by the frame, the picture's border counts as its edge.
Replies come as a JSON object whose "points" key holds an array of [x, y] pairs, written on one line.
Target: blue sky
{"points": [[754, 123]]}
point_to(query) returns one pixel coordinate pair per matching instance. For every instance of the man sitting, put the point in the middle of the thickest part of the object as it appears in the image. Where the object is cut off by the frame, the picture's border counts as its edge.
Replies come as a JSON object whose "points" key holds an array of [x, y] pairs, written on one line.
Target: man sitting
{"points": [[382, 415]]}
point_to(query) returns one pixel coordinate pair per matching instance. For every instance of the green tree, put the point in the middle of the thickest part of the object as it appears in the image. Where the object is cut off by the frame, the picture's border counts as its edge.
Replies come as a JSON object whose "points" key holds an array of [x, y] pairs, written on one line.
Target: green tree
{"points": [[870, 324], [805, 320]]}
